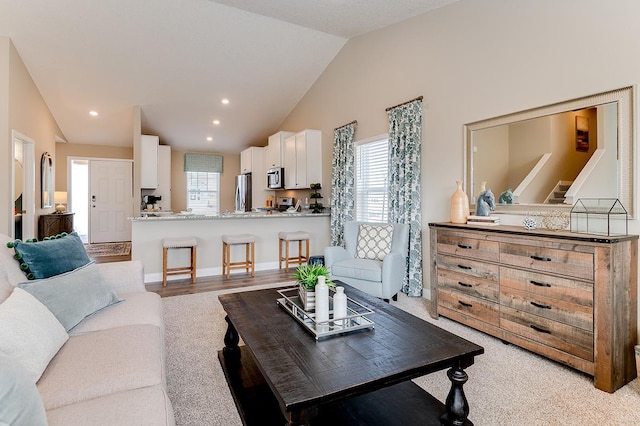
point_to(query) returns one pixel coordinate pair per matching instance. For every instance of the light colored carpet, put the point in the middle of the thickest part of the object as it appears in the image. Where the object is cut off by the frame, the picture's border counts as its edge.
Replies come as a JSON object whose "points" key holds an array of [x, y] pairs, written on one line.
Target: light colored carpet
{"points": [[507, 385], [108, 249]]}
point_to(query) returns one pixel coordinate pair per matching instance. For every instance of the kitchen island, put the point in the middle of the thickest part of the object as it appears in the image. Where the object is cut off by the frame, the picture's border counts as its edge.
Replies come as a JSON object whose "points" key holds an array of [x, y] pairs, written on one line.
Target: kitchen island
{"points": [[148, 231]]}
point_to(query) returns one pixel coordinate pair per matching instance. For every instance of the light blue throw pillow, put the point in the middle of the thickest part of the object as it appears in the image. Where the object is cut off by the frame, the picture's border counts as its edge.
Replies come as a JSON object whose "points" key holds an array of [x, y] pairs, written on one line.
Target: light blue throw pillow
{"points": [[51, 257], [73, 296], [20, 402]]}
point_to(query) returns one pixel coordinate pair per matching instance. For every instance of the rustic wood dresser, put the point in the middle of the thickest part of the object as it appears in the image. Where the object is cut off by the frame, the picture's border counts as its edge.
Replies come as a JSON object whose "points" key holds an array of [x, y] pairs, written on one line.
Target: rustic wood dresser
{"points": [[567, 296]]}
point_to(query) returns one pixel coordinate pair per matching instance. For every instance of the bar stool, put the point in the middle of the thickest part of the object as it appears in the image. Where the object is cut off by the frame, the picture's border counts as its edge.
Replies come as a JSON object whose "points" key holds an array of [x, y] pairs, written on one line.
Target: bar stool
{"points": [[249, 250], [286, 237], [173, 243]]}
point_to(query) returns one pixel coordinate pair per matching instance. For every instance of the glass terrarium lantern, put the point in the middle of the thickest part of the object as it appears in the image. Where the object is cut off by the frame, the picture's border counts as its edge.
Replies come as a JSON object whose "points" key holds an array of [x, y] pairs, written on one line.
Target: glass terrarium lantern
{"points": [[602, 216]]}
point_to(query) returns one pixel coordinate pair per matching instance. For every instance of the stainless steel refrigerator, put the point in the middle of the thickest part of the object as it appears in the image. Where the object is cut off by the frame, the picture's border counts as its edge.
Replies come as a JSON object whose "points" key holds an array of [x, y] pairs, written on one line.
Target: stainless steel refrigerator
{"points": [[243, 193]]}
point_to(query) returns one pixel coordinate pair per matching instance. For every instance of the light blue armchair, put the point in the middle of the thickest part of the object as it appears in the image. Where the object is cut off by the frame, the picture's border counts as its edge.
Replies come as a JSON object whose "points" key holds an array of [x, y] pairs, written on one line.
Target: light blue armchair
{"points": [[380, 278]]}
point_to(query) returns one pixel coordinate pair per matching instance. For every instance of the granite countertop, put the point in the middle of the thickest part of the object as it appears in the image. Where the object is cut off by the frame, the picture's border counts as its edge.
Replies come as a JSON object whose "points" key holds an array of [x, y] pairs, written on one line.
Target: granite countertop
{"points": [[248, 215]]}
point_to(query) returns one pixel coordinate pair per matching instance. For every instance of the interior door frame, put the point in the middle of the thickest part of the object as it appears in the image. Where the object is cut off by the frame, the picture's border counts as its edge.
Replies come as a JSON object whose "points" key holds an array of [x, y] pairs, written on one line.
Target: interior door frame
{"points": [[28, 184]]}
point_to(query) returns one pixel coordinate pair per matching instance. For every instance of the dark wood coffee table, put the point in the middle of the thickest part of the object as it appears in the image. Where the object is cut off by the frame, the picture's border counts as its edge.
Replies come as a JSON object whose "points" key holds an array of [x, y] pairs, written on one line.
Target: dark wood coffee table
{"points": [[281, 375]]}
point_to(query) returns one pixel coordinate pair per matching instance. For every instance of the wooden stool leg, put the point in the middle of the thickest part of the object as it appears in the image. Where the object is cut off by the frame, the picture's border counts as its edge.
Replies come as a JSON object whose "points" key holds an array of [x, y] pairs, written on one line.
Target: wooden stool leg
{"points": [[224, 247], [164, 266], [286, 260], [299, 252], [193, 264], [279, 253], [246, 257], [307, 253], [253, 260]]}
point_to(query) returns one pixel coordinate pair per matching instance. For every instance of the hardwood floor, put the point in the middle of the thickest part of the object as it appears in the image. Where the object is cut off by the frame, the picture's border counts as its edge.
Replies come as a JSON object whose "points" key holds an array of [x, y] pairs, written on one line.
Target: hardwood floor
{"points": [[218, 282]]}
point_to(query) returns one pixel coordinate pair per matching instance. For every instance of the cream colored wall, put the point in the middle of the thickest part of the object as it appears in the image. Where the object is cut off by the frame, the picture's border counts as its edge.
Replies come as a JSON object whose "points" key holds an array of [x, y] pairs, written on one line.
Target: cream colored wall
{"points": [[491, 160], [26, 113], [66, 150], [230, 169], [6, 156], [471, 60]]}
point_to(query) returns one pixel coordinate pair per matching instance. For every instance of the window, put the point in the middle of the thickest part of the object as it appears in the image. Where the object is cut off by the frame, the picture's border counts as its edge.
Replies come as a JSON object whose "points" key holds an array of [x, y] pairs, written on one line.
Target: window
{"points": [[372, 180], [203, 192]]}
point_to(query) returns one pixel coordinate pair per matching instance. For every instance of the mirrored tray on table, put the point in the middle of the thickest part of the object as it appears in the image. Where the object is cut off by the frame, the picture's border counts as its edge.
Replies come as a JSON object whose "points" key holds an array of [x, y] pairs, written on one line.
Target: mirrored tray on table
{"points": [[355, 320]]}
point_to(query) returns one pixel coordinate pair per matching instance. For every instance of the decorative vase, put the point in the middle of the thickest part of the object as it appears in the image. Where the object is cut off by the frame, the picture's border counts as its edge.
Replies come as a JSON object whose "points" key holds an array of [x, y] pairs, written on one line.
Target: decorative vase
{"points": [[339, 306], [459, 205], [308, 298], [322, 300]]}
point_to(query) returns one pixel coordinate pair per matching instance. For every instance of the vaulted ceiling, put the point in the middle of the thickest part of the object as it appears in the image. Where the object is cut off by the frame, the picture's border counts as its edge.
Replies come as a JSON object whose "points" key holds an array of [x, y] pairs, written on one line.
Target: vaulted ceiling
{"points": [[177, 60]]}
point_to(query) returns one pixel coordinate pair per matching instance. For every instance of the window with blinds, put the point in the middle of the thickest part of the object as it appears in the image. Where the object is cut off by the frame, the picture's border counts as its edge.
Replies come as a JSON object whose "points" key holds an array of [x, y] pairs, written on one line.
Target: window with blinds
{"points": [[203, 192], [372, 181]]}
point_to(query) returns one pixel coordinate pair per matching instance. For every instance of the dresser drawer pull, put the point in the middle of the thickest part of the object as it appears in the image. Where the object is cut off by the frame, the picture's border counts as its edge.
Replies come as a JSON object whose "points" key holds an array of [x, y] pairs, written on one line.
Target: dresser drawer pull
{"points": [[465, 246], [465, 284], [541, 258], [464, 267], [539, 284], [540, 305], [540, 329], [467, 305]]}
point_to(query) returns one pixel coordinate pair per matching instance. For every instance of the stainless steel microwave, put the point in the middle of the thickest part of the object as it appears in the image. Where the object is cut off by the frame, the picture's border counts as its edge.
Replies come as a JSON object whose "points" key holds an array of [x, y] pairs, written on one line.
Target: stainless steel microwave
{"points": [[275, 178]]}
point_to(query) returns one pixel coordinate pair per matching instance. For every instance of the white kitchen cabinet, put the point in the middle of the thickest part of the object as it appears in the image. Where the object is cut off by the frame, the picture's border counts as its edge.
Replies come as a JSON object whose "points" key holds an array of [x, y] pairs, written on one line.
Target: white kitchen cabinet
{"points": [[274, 154], [149, 161], [303, 159], [164, 176], [246, 160]]}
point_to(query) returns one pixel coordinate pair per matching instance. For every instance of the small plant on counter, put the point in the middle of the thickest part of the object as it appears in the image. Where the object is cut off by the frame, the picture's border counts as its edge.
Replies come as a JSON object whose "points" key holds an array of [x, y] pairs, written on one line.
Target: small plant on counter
{"points": [[307, 276]]}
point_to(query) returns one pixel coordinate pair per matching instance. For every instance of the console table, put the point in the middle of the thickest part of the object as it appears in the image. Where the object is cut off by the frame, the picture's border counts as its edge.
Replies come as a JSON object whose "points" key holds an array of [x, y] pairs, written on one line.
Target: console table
{"points": [[53, 224], [567, 296]]}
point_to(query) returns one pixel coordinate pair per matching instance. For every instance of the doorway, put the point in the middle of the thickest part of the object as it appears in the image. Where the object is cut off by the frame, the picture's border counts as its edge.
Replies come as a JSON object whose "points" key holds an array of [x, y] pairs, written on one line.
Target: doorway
{"points": [[101, 197]]}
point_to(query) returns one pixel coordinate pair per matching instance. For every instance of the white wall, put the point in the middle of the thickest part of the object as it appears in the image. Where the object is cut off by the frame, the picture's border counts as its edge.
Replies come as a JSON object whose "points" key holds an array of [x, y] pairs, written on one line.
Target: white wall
{"points": [[472, 60]]}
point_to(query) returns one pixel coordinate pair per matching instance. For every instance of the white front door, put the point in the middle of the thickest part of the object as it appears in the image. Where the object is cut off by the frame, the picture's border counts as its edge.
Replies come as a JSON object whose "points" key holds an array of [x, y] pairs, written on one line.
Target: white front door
{"points": [[110, 198]]}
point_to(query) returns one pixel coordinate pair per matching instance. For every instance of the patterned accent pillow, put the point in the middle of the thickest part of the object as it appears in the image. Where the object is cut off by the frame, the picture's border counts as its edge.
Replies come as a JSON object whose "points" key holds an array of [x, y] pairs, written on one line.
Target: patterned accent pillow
{"points": [[374, 241]]}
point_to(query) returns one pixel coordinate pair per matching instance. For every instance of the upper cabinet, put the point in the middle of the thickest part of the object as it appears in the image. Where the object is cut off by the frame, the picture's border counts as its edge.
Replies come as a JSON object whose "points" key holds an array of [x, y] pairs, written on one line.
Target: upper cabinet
{"points": [[149, 161], [303, 159], [251, 159], [164, 176], [274, 155]]}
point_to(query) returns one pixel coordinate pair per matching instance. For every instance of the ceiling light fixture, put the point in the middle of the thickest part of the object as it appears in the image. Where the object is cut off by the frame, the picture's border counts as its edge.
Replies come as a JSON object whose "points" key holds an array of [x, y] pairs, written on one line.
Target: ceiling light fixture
{"points": [[225, 101], [209, 138], [216, 122], [93, 113]]}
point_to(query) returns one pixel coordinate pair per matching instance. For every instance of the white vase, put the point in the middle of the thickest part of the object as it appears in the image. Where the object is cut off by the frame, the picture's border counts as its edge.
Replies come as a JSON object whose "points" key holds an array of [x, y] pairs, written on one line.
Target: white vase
{"points": [[339, 305], [459, 205], [322, 300]]}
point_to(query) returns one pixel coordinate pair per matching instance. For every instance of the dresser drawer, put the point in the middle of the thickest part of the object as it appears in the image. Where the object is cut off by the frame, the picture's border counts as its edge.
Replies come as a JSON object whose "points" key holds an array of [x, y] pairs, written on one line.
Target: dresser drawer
{"points": [[474, 248], [468, 267], [570, 291], [473, 286], [564, 262], [474, 307], [563, 337], [553, 309]]}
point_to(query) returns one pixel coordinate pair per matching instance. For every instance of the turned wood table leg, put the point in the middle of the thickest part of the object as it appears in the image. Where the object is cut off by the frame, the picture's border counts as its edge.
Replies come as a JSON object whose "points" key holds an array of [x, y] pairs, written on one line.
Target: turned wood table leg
{"points": [[231, 339], [457, 405]]}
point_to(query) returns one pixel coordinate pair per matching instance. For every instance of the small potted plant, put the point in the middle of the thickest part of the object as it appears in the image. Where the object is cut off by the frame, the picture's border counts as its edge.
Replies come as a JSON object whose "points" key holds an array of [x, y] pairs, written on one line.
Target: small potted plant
{"points": [[307, 277]]}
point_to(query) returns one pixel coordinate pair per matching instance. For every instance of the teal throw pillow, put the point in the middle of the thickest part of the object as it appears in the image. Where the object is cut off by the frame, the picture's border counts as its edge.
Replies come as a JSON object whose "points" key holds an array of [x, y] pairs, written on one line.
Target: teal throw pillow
{"points": [[73, 296], [51, 257]]}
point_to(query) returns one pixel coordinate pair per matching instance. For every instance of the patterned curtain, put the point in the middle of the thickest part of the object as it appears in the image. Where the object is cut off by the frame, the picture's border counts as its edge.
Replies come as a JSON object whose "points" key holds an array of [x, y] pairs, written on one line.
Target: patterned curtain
{"points": [[405, 136], [342, 181]]}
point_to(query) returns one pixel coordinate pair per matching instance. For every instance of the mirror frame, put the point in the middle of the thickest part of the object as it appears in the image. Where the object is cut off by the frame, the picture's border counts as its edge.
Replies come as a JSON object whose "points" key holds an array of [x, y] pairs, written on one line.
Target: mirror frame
{"points": [[46, 180], [625, 99]]}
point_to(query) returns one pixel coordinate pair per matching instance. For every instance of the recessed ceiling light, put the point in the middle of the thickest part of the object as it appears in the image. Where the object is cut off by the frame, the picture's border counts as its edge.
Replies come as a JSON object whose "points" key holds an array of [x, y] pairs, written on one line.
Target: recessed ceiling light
{"points": [[216, 122], [209, 138], [93, 113], [225, 101]]}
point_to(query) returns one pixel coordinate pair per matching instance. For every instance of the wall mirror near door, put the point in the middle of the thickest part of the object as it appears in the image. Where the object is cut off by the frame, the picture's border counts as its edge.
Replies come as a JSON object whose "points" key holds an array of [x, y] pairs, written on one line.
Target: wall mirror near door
{"points": [[46, 180], [551, 156]]}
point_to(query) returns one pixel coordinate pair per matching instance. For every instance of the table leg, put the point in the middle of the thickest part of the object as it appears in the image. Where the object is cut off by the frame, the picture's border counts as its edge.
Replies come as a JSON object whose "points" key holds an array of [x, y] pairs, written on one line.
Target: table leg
{"points": [[231, 339], [456, 404]]}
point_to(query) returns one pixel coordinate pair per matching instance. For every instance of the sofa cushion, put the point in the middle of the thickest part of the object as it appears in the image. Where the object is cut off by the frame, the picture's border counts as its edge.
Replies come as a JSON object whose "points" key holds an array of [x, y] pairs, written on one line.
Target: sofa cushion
{"points": [[103, 362], [20, 402], [374, 241], [139, 307], [44, 259], [74, 295], [146, 406], [29, 333], [362, 269]]}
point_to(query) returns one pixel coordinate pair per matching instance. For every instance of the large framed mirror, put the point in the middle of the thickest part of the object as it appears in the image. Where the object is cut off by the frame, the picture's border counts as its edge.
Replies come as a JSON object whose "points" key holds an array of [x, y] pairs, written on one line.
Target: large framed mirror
{"points": [[547, 158], [46, 180]]}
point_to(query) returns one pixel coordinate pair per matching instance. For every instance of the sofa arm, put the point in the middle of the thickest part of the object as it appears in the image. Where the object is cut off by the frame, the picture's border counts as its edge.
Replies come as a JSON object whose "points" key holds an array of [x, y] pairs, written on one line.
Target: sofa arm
{"points": [[393, 273], [123, 277], [333, 255]]}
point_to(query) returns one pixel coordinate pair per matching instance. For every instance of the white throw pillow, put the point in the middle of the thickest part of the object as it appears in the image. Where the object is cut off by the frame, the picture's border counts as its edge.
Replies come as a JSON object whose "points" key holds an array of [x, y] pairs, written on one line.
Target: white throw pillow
{"points": [[374, 241], [29, 333]]}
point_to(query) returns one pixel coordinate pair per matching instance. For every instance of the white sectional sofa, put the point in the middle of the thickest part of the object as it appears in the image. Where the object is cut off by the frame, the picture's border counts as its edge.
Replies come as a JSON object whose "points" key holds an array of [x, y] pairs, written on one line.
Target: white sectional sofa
{"points": [[111, 368]]}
